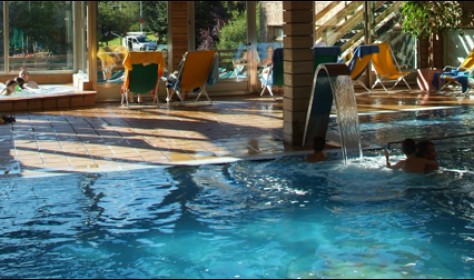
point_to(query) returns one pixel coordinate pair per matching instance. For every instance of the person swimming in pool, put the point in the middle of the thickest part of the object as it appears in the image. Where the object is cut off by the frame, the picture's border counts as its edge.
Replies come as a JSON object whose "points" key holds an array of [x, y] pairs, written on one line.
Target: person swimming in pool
{"points": [[10, 87], [426, 149], [417, 161]]}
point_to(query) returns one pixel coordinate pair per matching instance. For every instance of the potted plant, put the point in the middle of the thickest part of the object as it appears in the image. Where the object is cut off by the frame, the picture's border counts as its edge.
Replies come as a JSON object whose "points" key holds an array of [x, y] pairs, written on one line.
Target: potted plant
{"points": [[427, 20]]}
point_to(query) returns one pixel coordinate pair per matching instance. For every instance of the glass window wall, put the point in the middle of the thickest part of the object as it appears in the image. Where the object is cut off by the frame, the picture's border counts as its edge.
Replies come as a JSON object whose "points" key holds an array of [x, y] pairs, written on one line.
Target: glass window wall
{"points": [[222, 25], [128, 26], [40, 35]]}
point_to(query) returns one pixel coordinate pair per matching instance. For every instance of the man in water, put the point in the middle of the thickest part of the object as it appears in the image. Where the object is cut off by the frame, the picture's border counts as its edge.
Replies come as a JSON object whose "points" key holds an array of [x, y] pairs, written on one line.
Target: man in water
{"points": [[319, 143], [417, 160]]}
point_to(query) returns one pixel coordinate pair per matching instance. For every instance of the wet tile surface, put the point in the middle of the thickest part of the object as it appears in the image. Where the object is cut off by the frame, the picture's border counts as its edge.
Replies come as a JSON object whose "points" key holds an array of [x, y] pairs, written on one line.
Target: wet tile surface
{"points": [[108, 137]]}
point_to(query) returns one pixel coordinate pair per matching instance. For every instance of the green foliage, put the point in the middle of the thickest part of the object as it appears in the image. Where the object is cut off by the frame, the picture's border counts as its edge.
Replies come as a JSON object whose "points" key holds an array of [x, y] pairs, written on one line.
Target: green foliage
{"points": [[155, 14], [423, 18], [114, 20], [211, 17], [42, 22], [233, 33]]}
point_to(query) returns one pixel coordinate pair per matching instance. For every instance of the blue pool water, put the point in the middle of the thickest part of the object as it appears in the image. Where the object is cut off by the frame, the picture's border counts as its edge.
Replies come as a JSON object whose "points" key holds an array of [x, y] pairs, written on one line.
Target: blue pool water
{"points": [[281, 218]]}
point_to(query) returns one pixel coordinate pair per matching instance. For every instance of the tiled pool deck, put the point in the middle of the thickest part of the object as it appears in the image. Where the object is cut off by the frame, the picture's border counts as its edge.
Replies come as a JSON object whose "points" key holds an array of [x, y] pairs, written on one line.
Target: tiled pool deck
{"points": [[108, 137]]}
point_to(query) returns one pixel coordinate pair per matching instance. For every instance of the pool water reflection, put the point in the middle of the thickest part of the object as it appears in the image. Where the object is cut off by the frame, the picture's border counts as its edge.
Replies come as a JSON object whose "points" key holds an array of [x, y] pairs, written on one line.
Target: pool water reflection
{"points": [[280, 218]]}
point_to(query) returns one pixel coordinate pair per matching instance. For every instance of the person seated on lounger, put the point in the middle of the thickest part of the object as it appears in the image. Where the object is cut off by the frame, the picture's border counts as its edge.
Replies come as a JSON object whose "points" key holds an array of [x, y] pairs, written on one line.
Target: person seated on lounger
{"points": [[267, 64], [414, 163], [25, 75], [171, 81], [318, 145], [170, 84]]}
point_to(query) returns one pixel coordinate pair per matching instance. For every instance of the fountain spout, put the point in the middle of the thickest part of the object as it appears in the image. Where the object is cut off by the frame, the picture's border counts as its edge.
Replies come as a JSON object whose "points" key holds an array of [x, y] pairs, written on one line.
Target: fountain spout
{"points": [[332, 81]]}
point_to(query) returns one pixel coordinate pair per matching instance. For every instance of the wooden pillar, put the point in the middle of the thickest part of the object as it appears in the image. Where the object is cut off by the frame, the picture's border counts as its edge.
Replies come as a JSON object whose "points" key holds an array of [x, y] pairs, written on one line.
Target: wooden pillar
{"points": [[298, 27], [423, 48], [431, 52], [179, 30], [438, 51]]}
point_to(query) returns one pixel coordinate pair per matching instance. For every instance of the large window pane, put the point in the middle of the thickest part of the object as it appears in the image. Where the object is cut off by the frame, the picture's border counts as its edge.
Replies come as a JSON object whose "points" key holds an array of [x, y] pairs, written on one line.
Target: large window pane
{"points": [[124, 26], [40, 35], [222, 25], [269, 38]]}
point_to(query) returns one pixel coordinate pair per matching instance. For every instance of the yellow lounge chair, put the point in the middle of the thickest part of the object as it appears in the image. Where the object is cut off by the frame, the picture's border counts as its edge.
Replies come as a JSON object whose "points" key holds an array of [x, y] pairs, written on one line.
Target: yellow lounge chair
{"points": [[198, 70], [110, 61], [359, 62], [143, 71], [458, 76], [386, 67]]}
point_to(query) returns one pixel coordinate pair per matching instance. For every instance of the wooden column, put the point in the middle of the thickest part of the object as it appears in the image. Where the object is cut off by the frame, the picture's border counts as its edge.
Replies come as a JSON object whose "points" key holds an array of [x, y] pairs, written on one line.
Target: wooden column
{"points": [[298, 27], [431, 52], [179, 30]]}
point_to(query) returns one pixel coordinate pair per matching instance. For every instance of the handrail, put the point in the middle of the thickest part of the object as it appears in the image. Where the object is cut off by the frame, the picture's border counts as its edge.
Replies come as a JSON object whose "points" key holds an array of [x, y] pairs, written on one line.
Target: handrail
{"points": [[352, 15]]}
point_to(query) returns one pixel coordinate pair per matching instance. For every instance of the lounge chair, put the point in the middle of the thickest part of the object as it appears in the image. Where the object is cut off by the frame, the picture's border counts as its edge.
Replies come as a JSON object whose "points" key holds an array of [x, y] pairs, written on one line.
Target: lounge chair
{"points": [[198, 70], [361, 58], [459, 76], [275, 76], [387, 68], [110, 63], [143, 71]]}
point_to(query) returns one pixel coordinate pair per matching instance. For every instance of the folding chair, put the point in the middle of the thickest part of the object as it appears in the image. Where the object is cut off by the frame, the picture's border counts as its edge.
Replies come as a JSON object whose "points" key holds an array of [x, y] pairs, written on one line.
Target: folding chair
{"points": [[111, 66], [143, 71], [360, 60], [198, 70], [459, 76], [387, 68]]}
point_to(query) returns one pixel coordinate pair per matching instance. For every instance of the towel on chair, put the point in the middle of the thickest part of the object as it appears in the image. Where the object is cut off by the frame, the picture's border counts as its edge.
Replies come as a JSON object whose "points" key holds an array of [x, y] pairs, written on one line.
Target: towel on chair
{"points": [[460, 76]]}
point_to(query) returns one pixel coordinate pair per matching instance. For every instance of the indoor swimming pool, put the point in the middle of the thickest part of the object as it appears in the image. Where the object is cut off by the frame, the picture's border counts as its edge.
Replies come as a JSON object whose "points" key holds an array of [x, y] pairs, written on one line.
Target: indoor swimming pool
{"points": [[277, 218]]}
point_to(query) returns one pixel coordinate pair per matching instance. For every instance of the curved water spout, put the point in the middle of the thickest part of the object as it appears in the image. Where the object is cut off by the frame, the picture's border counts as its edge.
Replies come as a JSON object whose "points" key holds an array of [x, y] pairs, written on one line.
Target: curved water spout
{"points": [[332, 81]]}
